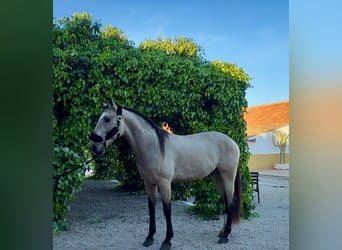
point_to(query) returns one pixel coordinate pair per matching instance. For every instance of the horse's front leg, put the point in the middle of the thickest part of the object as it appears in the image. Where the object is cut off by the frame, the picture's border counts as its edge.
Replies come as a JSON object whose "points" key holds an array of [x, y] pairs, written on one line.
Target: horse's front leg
{"points": [[152, 194], [165, 193]]}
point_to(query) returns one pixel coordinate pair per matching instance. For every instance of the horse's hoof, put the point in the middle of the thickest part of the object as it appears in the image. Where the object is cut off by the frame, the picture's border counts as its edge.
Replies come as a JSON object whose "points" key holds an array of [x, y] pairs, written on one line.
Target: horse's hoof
{"points": [[223, 240], [165, 246], [148, 242]]}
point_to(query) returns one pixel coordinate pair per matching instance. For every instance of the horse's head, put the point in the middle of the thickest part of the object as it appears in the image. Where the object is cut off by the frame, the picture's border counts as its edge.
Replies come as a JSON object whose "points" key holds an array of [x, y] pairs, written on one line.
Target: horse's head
{"points": [[107, 129]]}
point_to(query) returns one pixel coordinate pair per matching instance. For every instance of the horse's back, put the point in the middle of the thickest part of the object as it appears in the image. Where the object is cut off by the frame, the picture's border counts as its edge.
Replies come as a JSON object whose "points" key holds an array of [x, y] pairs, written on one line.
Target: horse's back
{"points": [[208, 139], [197, 155]]}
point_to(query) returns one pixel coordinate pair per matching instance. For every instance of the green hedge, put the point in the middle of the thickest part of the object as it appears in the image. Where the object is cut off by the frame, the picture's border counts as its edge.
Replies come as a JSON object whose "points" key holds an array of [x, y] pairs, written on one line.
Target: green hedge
{"points": [[191, 94], [65, 186]]}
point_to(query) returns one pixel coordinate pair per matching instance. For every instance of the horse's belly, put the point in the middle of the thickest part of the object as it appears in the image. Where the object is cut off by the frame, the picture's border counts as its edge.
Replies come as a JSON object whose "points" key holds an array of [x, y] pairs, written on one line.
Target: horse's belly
{"points": [[192, 172]]}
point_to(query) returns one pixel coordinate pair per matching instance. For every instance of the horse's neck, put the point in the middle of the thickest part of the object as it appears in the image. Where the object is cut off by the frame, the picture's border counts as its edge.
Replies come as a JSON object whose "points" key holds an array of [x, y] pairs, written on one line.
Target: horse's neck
{"points": [[137, 132]]}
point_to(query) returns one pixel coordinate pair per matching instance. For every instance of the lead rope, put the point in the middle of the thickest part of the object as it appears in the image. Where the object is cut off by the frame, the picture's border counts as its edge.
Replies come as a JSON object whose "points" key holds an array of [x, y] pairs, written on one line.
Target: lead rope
{"points": [[85, 167]]}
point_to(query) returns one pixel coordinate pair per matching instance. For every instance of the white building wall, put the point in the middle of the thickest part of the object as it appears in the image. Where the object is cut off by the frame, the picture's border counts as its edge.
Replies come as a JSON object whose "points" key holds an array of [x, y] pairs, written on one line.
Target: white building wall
{"points": [[263, 143]]}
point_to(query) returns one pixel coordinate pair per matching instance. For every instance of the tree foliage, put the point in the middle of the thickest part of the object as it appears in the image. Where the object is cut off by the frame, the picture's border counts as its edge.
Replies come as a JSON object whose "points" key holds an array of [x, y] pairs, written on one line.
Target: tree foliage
{"points": [[181, 46], [171, 84]]}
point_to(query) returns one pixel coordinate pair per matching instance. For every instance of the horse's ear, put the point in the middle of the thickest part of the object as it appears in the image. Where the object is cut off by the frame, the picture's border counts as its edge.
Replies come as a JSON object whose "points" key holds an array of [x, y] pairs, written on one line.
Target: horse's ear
{"points": [[112, 104], [105, 105]]}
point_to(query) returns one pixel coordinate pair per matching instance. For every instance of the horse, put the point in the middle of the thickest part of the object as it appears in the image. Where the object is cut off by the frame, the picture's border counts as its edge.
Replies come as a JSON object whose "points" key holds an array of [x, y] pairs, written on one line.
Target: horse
{"points": [[163, 158]]}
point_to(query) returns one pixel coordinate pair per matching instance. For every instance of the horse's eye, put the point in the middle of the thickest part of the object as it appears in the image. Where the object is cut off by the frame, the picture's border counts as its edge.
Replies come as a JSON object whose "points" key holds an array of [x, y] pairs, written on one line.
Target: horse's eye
{"points": [[106, 119]]}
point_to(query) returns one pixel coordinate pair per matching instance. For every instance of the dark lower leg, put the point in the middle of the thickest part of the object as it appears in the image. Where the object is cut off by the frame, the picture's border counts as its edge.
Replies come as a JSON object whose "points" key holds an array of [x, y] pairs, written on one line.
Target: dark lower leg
{"points": [[228, 227], [169, 230], [152, 229]]}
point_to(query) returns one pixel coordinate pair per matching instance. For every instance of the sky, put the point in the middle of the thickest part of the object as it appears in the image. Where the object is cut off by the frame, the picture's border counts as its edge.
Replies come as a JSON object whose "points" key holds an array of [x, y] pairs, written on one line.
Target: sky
{"points": [[251, 34]]}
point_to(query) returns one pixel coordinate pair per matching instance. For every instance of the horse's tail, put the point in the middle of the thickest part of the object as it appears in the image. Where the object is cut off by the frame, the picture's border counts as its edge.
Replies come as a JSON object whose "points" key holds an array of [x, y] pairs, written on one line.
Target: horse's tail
{"points": [[237, 197]]}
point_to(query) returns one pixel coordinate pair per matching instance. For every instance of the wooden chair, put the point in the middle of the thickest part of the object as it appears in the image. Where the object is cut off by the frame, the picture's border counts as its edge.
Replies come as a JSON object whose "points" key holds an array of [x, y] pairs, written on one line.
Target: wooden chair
{"points": [[255, 185]]}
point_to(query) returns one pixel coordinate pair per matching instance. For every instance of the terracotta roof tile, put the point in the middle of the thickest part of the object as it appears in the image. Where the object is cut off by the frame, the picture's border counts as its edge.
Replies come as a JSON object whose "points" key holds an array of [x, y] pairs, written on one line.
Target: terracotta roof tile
{"points": [[263, 118]]}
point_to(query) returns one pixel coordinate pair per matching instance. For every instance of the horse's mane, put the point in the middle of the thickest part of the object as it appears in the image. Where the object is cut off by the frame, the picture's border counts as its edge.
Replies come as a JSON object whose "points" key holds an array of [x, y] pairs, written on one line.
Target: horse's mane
{"points": [[161, 134]]}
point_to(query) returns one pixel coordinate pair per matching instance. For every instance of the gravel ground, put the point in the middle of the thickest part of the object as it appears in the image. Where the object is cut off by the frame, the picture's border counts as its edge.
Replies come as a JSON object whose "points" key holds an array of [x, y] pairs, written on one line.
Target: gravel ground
{"points": [[102, 218]]}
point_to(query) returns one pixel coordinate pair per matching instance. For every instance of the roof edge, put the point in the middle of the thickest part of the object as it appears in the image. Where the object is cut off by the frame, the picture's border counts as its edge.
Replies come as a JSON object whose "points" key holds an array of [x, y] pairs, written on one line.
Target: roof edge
{"points": [[268, 104]]}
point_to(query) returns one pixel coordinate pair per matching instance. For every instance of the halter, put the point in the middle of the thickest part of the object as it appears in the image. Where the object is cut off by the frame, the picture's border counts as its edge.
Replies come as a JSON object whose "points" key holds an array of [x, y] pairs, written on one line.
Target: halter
{"points": [[96, 138]]}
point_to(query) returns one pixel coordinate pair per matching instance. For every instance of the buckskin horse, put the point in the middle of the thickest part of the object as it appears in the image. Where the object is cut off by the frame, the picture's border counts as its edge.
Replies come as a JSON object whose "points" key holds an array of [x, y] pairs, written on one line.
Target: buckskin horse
{"points": [[163, 158]]}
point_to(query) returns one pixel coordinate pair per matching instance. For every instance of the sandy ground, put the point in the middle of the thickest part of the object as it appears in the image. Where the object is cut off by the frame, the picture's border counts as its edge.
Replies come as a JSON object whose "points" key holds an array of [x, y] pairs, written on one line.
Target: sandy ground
{"points": [[102, 218]]}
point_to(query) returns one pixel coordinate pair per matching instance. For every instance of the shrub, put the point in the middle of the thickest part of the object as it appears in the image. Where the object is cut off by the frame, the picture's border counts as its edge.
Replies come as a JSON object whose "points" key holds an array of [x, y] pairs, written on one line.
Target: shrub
{"points": [[67, 182]]}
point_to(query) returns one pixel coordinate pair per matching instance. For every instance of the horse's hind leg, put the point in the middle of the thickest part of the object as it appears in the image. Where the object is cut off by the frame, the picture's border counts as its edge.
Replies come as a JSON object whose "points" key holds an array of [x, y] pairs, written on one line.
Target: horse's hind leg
{"points": [[152, 195], [228, 185], [220, 188]]}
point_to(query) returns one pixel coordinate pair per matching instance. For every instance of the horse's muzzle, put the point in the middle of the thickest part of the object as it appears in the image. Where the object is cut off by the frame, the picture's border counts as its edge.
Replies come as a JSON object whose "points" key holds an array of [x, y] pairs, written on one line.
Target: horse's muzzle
{"points": [[97, 149]]}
